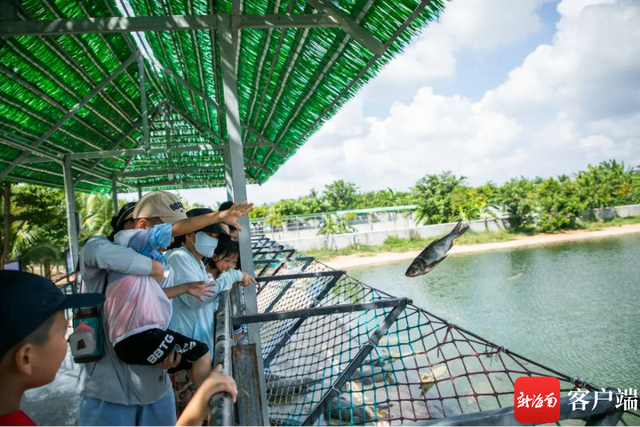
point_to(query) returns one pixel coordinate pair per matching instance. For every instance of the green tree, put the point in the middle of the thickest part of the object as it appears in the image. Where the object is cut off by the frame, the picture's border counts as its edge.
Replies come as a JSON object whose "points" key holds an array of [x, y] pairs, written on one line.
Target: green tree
{"points": [[332, 225], [605, 185], [465, 203], [44, 253], [329, 226], [96, 211], [340, 195], [517, 198], [558, 205], [313, 203], [36, 215], [261, 211], [288, 207], [433, 197], [274, 219]]}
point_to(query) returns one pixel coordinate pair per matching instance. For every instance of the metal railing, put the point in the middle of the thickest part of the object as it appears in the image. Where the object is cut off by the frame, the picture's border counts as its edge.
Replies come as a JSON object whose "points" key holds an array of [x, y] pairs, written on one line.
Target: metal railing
{"points": [[221, 405]]}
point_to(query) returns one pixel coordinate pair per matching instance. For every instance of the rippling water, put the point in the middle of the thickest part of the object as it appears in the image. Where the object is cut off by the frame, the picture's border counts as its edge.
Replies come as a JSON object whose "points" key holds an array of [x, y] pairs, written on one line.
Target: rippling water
{"points": [[573, 307]]}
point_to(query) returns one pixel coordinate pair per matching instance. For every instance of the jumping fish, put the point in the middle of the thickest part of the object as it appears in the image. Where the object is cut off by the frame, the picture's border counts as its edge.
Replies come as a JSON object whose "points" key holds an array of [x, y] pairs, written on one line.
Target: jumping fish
{"points": [[437, 250]]}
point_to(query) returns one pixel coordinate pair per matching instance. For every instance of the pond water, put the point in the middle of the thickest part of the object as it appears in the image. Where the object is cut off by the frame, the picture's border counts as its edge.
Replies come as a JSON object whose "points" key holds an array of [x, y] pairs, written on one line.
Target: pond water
{"points": [[572, 307]]}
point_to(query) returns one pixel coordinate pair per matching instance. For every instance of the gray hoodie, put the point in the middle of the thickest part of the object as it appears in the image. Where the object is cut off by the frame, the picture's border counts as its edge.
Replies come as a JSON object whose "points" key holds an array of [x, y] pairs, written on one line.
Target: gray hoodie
{"points": [[110, 379]]}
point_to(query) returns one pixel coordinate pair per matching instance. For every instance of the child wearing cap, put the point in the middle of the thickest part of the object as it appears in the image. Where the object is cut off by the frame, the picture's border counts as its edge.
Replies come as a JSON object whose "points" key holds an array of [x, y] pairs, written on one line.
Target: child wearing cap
{"points": [[33, 344], [33, 328], [137, 308]]}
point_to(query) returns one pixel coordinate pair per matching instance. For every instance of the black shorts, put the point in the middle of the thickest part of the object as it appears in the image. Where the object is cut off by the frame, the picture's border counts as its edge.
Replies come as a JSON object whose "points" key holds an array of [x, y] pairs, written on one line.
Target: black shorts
{"points": [[153, 346]]}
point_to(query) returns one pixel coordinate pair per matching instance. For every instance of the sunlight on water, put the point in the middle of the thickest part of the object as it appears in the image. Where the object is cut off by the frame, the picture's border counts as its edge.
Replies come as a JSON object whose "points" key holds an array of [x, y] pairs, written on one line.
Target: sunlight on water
{"points": [[573, 307]]}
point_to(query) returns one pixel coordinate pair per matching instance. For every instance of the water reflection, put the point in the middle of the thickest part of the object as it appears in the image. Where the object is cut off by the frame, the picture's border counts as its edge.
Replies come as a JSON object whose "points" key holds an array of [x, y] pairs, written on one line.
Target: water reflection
{"points": [[570, 306]]}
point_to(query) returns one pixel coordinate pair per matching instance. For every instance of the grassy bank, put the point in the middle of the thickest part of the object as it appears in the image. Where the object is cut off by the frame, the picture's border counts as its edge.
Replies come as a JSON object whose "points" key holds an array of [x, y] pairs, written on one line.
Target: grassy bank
{"points": [[397, 244]]}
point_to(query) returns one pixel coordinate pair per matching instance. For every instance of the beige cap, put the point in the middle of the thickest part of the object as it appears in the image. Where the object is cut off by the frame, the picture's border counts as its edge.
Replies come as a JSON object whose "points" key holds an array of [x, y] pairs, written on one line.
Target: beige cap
{"points": [[160, 204]]}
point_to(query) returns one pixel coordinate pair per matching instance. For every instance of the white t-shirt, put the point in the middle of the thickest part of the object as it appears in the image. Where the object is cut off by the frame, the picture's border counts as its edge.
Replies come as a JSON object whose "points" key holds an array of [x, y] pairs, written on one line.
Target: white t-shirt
{"points": [[135, 304], [191, 317]]}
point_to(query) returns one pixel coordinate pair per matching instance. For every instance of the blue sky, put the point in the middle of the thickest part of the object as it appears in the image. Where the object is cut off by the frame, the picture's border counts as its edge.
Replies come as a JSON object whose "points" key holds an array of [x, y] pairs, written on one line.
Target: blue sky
{"points": [[481, 70], [493, 90]]}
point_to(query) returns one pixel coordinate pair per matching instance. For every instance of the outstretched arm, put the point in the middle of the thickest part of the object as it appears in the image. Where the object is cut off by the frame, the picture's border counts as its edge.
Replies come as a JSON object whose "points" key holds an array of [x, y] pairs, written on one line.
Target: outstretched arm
{"points": [[197, 289], [229, 217]]}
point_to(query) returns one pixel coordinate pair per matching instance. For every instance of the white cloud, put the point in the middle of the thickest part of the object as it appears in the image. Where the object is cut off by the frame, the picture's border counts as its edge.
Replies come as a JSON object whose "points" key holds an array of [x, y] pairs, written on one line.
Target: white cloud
{"points": [[474, 24], [590, 72], [572, 102]]}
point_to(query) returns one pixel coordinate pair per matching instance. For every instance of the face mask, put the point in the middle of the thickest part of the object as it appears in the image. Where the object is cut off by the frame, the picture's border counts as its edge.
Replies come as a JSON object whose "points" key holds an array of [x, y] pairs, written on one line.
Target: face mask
{"points": [[205, 244]]}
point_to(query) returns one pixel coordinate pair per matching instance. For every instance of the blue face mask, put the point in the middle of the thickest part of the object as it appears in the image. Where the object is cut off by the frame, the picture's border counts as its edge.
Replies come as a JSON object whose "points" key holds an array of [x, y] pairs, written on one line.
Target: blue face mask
{"points": [[205, 244]]}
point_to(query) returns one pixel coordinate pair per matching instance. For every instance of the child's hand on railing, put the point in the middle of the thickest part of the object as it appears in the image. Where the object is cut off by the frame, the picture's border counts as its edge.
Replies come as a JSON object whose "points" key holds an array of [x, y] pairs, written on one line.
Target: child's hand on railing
{"points": [[198, 408], [247, 280]]}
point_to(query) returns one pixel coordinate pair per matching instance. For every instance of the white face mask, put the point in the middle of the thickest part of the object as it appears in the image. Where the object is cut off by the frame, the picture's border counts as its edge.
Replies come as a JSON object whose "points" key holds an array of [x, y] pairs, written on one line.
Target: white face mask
{"points": [[205, 244]]}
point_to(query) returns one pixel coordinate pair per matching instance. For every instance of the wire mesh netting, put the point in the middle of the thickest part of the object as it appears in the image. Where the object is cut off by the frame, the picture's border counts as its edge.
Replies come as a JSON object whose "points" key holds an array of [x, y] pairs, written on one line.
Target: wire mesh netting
{"points": [[423, 368]]}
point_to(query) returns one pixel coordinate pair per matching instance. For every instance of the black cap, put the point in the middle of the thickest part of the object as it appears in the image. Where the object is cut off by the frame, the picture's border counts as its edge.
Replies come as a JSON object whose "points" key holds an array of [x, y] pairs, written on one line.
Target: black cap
{"points": [[27, 301], [213, 228]]}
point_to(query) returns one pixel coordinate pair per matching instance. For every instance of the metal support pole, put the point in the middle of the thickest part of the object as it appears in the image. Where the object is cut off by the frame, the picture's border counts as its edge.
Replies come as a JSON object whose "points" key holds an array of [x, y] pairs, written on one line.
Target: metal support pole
{"points": [[227, 171], [114, 195], [139, 193], [239, 184], [221, 405], [321, 311], [168, 141], [143, 103], [362, 354], [312, 275], [72, 215]]}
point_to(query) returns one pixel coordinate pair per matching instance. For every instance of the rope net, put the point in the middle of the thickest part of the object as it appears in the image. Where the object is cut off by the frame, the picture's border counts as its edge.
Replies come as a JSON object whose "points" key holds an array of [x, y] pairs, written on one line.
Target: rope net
{"points": [[422, 368]]}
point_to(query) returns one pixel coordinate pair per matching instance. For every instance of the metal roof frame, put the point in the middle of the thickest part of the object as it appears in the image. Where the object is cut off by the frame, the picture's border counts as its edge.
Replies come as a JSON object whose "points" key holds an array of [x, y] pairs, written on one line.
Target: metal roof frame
{"points": [[323, 14], [56, 27], [107, 137]]}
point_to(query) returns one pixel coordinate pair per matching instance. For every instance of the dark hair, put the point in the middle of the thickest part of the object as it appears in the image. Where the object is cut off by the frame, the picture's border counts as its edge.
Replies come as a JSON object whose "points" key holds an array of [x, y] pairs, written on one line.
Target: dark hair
{"points": [[38, 337], [225, 206], [178, 242], [225, 247], [118, 221], [41, 335]]}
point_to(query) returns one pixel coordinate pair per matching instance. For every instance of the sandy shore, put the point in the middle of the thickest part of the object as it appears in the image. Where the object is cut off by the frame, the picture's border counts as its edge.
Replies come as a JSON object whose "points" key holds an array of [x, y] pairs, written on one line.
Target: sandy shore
{"points": [[358, 261]]}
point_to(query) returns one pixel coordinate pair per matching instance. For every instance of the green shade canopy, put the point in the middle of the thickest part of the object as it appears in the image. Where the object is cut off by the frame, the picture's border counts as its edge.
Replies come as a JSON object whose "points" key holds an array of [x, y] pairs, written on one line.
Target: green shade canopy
{"points": [[292, 77]]}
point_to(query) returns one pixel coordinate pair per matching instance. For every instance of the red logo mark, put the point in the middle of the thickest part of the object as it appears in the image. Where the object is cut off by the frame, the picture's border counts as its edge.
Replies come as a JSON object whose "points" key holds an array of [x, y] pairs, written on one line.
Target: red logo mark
{"points": [[537, 400]]}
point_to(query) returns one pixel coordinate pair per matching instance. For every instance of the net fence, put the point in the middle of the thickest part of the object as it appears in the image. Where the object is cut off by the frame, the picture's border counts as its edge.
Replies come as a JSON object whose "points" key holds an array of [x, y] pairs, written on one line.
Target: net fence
{"points": [[422, 368]]}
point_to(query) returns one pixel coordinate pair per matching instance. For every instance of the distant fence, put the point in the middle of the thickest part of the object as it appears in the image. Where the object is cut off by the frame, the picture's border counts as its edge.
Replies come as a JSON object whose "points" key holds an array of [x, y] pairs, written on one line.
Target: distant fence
{"points": [[610, 213], [378, 237], [373, 230]]}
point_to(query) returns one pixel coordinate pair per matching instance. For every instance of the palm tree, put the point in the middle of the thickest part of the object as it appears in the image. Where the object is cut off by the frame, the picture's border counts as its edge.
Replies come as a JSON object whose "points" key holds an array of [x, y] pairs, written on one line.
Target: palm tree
{"points": [[45, 254], [95, 212]]}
